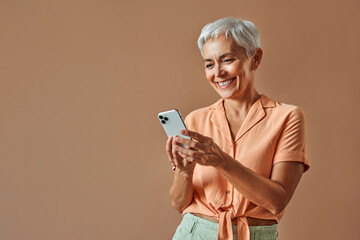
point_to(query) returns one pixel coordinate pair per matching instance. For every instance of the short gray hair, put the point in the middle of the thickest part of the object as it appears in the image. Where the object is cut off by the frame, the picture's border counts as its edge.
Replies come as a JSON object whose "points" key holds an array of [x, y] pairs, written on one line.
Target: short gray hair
{"points": [[243, 32]]}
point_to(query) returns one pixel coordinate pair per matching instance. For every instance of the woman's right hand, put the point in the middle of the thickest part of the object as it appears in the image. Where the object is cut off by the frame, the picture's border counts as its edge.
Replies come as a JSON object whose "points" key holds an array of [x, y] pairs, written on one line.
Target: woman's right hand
{"points": [[181, 192], [181, 164]]}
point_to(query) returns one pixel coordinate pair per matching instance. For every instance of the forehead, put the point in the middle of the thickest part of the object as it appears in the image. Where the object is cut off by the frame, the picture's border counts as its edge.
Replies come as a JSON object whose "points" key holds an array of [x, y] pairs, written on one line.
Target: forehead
{"points": [[215, 47]]}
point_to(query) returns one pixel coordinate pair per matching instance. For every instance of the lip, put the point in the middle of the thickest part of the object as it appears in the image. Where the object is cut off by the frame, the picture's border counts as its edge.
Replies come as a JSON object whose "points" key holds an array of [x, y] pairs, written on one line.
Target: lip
{"points": [[230, 79]]}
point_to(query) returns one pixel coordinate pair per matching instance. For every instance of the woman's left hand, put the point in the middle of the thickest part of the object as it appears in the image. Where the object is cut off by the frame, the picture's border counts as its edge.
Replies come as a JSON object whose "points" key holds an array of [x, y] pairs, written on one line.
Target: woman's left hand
{"points": [[201, 149]]}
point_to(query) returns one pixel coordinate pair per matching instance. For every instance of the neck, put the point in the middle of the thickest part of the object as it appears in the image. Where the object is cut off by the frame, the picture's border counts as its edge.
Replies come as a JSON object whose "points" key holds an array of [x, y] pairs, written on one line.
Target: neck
{"points": [[242, 104]]}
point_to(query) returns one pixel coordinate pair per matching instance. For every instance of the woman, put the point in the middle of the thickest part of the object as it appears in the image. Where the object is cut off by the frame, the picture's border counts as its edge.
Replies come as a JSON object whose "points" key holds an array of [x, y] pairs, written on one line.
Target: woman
{"points": [[246, 155]]}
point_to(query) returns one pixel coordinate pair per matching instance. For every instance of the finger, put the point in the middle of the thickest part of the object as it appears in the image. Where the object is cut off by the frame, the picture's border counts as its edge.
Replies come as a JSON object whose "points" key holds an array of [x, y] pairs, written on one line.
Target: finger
{"points": [[186, 152], [189, 143], [182, 155], [178, 160], [173, 153], [176, 157], [186, 159], [194, 135], [169, 149]]}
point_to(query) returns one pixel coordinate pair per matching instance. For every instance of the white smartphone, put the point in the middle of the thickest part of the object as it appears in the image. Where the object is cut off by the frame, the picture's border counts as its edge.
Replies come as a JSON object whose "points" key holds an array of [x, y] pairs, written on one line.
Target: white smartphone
{"points": [[172, 123]]}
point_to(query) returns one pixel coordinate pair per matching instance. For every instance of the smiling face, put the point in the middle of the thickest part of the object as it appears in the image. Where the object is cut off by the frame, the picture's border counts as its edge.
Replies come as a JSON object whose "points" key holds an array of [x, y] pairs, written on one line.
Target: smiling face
{"points": [[227, 67]]}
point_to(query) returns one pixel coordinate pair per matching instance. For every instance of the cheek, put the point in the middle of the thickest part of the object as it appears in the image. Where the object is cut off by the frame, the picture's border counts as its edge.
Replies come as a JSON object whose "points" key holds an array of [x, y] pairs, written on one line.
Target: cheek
{"points": [[247, 67], [209, 76], [241, 72], [236, 69]]}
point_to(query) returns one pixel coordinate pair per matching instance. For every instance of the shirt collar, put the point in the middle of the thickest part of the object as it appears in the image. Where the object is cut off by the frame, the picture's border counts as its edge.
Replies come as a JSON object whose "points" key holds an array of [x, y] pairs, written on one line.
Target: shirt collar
{"points": [[255, 115], [267, 102], [264, 100]]}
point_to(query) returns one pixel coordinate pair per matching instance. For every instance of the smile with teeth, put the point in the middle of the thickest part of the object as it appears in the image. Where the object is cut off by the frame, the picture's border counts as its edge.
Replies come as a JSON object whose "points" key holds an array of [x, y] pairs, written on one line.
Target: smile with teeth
{"points": [[226, 83]]}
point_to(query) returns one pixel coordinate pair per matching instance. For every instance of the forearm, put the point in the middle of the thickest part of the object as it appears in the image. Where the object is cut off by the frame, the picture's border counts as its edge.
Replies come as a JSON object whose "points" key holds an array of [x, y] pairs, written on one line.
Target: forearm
{"points": [[260, 190], [181, 192], [272, 194]]}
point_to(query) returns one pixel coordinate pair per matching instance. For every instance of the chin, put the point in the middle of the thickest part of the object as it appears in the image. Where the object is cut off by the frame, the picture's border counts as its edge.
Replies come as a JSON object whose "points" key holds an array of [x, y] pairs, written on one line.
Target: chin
{"points": [[227, 95]]}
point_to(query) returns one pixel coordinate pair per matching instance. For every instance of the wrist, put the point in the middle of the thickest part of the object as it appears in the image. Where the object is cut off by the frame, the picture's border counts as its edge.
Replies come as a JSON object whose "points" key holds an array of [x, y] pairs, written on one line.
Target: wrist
{"points": [[225, 163], [185, 173]]}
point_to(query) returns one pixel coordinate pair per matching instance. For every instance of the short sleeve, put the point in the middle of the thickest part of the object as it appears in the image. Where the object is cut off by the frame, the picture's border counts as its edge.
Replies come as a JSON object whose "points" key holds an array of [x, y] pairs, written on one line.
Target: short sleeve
{"points": [[291, 144]]}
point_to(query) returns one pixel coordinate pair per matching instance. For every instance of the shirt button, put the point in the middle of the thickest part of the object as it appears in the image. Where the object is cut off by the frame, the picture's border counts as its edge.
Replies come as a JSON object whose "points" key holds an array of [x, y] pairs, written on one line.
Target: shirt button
{"points": [[228, 192]]}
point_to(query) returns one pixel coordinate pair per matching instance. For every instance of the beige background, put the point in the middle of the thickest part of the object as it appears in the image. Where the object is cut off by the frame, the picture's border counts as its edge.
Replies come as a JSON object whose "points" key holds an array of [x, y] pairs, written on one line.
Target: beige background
{"points": [[81, 151]]}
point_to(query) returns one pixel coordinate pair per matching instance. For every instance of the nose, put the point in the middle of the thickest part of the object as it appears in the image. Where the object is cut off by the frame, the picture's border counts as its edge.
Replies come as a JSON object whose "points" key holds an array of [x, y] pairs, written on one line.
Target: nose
{"points": [[219, 71]]}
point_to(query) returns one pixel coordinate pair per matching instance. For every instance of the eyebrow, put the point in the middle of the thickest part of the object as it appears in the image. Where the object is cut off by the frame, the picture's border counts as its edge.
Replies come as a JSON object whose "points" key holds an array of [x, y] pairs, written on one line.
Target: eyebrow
{"points": [[221, 56]]}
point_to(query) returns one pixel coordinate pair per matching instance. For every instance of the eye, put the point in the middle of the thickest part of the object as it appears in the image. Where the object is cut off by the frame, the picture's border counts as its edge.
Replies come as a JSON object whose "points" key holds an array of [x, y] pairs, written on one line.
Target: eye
{"points": [[209, 65], [228, 60]]}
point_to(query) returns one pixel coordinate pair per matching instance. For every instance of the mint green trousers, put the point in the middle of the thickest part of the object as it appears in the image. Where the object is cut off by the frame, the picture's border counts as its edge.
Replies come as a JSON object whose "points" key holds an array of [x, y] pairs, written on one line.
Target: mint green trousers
{"points": [[196, 228]]}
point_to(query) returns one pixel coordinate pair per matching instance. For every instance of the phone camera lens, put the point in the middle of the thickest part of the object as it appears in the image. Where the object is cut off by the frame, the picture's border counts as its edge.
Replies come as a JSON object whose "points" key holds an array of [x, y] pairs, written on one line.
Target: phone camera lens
{"points": [[165, 118], [163, 121], [161, 117]]}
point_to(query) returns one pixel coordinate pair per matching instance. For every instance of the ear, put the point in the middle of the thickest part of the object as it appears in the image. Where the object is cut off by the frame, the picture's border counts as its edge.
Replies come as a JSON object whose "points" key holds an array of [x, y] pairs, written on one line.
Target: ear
{"points": [[256, 59]]}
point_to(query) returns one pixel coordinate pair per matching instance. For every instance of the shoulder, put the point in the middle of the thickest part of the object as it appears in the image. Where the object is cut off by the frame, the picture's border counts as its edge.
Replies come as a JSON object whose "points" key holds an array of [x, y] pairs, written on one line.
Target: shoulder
{"points": [[292, 112], [281, 116], [282, 110]]}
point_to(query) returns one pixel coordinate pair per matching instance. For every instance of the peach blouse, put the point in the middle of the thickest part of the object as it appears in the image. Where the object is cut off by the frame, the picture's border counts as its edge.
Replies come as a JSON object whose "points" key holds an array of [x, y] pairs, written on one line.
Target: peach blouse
{"points": [[272, 132]]}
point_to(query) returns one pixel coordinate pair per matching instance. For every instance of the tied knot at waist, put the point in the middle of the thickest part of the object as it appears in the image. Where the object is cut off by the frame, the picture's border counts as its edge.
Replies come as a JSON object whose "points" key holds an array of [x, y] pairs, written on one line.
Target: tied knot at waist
{"points": [[225, 231]]}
